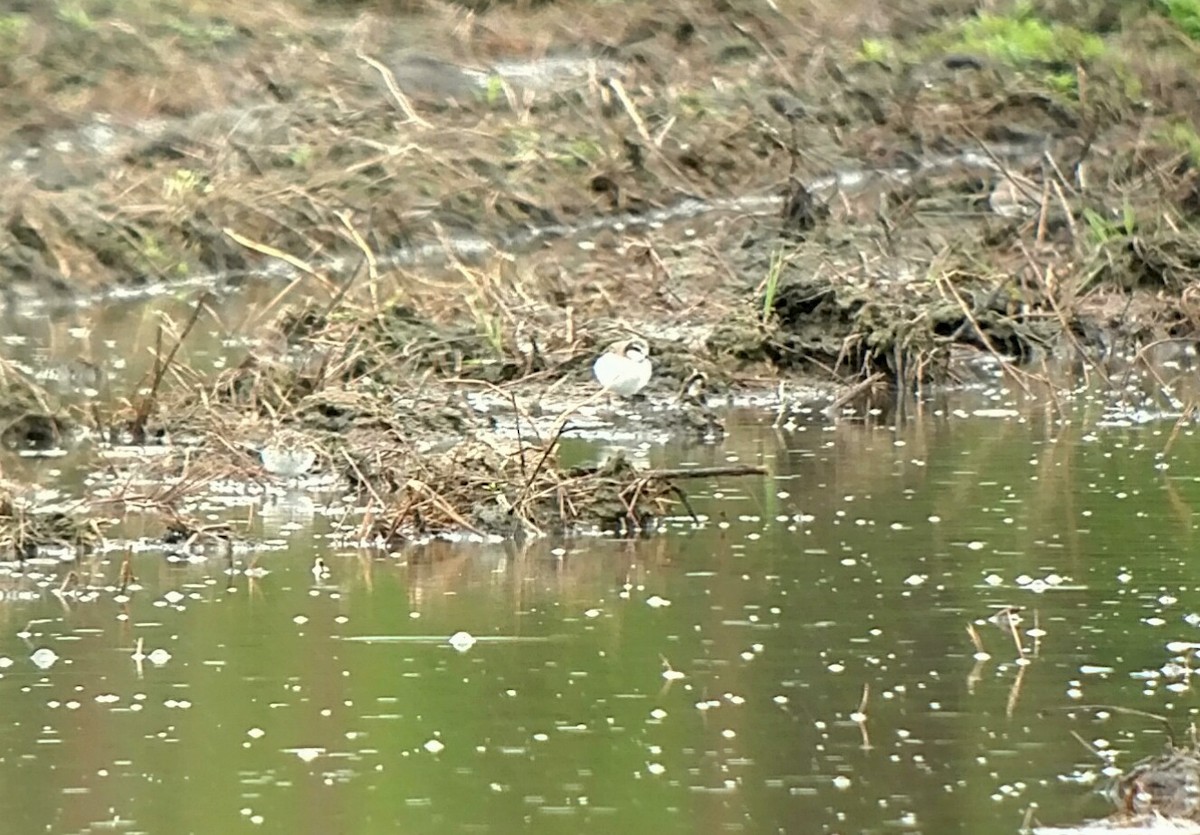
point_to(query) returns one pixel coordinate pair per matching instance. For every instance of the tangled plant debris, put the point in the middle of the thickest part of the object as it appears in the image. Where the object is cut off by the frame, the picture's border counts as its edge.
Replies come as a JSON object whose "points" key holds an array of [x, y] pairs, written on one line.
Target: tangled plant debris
{"points": [[452, 222]]}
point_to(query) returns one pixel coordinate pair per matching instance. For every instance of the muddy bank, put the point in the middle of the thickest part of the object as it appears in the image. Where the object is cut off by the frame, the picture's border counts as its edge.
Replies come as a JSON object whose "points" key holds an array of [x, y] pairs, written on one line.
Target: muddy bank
{"points": [[339, 149], [462, 211], [419, 436]]}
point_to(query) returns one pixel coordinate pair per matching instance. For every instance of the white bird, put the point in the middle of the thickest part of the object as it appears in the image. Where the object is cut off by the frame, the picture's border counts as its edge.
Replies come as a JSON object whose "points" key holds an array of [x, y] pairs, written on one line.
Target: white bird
{"points": [[624, 368], [289, 454]]}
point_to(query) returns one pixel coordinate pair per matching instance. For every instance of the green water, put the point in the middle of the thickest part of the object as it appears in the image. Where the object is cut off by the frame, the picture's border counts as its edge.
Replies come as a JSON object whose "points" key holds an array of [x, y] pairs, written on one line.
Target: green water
{"points": [[291, 705]]}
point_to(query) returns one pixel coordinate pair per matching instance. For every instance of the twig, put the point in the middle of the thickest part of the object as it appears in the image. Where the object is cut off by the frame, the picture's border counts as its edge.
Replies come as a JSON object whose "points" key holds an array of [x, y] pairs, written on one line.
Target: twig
{"points": [[623, 97], [973, 634], [147, 404], [445, 506], [983, 337], [559, 426], [390, 80], [372, 264], [678, 491], [619, 90], [856, 390]]}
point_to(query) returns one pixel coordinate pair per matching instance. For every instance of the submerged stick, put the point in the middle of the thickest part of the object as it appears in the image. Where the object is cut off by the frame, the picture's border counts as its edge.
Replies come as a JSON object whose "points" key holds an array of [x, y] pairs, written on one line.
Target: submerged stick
{"points": [[705, 472], [856, 390]]}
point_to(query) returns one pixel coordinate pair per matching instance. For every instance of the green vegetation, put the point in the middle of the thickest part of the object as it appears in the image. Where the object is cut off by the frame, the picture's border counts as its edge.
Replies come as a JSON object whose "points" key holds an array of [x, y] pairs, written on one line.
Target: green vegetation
{"points": [[1104, 229], [204, 35], [489, 325], [522, 145], [153, 251], [77, 17], [771, 284], [1062, 82], [493, 93], [1023, 38], [1183, 136], [873, 49], [12, 30], [692, 103], [528, 146], [582, 150], [301, 156], [1185, 14], [182, 182]]}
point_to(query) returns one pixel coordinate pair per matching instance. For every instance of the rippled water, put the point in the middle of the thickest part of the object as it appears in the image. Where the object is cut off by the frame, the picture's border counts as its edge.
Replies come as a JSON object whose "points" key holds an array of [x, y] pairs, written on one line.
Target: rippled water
{"points": [[797, 661]]}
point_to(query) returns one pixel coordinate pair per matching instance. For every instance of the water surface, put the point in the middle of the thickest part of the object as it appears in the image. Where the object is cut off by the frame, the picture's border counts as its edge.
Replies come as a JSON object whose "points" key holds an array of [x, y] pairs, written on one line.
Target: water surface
{"points": [[796, 661]]}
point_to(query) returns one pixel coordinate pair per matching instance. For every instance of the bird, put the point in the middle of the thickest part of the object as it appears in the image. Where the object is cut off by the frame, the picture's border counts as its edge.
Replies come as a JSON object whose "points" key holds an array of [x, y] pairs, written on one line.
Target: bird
{"points": [[624, 367], [288, 453], [693, 389], [692, 412], [320, 571], [1166, 785]]}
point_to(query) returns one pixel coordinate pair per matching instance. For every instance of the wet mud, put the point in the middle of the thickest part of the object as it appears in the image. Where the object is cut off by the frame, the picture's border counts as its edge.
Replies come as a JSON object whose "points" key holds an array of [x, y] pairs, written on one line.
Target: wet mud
{"points": [[933, 185]]}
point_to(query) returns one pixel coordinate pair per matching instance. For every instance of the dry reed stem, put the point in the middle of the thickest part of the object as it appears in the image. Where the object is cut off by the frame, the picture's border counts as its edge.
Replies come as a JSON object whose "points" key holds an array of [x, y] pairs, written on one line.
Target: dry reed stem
{"points": [[976, 640], [390, 80], [1014, 692], [442, 504], [160, 367], [1004, 364]]}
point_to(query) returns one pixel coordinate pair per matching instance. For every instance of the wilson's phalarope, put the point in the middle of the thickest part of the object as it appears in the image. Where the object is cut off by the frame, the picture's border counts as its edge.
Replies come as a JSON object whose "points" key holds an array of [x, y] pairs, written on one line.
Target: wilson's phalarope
{"points": [[624, 368]]}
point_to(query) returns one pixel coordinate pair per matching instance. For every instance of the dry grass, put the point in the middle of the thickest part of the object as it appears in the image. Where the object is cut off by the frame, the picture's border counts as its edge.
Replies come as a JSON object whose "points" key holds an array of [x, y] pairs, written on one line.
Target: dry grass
{"points": [[243, 138]]}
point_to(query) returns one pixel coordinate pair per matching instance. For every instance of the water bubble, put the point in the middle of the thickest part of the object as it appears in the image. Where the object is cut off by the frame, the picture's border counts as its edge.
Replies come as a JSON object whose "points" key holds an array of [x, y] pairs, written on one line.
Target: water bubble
{"points": [[462, 641], [44, 658]]}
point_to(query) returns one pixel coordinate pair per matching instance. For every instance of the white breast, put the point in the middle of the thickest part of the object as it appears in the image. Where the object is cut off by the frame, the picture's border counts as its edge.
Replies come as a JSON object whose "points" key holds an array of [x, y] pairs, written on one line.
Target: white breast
{"points": [[623, 375], [288, 461]]}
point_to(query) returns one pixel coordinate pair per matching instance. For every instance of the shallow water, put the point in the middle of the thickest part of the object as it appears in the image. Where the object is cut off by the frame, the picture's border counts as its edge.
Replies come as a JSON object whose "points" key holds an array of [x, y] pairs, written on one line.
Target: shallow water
{"points": [[709, 678]]}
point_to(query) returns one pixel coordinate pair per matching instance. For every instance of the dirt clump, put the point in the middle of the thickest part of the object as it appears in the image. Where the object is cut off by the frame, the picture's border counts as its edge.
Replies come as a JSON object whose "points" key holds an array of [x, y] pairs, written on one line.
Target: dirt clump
{"points": [[31, 418], [27, 533], [516, 490]]}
